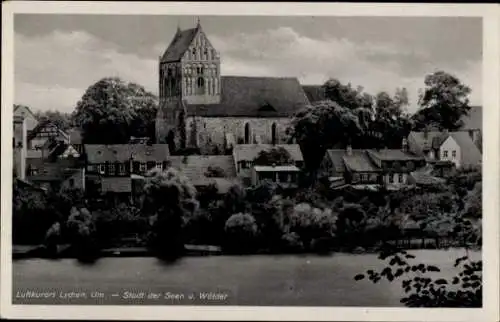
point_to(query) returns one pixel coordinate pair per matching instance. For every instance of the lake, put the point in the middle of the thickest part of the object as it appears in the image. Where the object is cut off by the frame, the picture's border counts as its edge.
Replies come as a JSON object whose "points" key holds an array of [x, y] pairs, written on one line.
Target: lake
{"points": [[278, 280]]}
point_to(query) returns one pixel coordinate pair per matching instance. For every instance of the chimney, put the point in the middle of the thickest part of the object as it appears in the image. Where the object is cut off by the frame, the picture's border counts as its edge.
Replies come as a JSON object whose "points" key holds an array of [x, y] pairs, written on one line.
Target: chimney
{"points": [[349, 150], [20, 146]]}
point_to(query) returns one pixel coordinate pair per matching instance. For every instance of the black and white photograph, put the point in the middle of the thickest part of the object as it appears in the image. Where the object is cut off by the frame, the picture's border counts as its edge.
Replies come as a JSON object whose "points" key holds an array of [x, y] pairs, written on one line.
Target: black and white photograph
{"points": [[249, 160]]}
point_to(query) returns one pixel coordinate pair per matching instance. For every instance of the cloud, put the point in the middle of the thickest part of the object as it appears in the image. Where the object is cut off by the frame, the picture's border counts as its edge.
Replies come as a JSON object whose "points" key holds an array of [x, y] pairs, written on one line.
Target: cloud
{"points": [[53, 71]]}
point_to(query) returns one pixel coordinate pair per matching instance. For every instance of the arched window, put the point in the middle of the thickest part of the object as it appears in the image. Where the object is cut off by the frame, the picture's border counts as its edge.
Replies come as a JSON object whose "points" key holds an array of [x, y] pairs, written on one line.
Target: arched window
{"points": [[247, 133], [200, 83], [274, 138]]}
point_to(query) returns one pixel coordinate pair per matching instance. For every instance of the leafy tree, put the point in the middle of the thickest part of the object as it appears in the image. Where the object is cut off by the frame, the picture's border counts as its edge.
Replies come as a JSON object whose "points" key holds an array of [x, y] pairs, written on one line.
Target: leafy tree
{"points": [[81, 230], [347, 96], [241, 231], [111, 111], [443, 102], [60, 119], [350, 223], [169, 199], [275, 156], [463, 290], [321, 127]]}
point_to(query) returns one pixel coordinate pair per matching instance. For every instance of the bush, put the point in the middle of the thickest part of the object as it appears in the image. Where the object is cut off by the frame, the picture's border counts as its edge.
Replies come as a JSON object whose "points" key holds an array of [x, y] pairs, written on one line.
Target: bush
{"points": [[292, 243], [240, 232], [215, 171]]}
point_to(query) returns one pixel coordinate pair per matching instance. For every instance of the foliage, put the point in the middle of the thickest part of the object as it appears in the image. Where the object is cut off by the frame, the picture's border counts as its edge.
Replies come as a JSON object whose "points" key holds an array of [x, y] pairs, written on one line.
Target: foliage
{"points": [[464, 290], [444, 101], [111, 111], [82, 233], [311, 223], [275, 156], [62, 120], [241, 231], [346, 95], [170, 199]]}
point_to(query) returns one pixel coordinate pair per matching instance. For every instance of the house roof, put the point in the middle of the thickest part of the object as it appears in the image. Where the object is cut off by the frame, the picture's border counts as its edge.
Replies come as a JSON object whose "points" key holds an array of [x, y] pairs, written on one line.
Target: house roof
{"points": [[17, 107], [359, 161], [260, 168], [58, 170], [424, 178], [40, 126], [98, 153], [429, 139], [474, 120], [75, 136], [394, 155], [470, 154], [179, 45], [336, 157], [254, 96], [248, 152], [116, 184], [314, 93], [194, 167]]}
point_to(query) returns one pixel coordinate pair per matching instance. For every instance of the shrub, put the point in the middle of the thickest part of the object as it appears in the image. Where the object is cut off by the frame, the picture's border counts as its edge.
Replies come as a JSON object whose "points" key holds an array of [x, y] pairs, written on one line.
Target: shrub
{"points": [[241, 232], [215, 171], [292, 243]]}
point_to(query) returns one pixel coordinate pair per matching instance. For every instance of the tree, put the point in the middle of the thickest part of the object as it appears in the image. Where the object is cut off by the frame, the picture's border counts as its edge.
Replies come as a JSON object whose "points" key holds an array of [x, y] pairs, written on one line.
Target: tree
{"points": [[321, 127], [443, 102], [275, 156], [111, 111], [350, 224], [347, 96], [81, 231], [62, 120], [241, 230], [169, 199], [215, 171]]}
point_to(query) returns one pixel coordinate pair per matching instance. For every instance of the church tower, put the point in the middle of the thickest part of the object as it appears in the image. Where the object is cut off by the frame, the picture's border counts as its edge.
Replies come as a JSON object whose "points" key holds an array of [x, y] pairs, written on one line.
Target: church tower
{"points": [[189, 73]]}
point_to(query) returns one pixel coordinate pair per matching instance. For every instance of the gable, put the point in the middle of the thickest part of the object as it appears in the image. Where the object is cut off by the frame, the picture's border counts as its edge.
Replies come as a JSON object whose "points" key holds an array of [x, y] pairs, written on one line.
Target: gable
{"points": [[198, 42], [179, 44], [449, 143]]}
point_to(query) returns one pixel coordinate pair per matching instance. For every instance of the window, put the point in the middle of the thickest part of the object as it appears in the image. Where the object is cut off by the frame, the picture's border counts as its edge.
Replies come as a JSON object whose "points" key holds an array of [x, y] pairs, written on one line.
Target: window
{"points": [[102, 168], [445, 153], [244, 165], [159, 165], [355, 177], [72, 183], [111, 168], [454, 154], [199, 70], [283, 177], [391, 178], [121, 168], [142, 167], [200, 82], [273, 134], [247, 133], [400, 178], [33, 171], [364, 177]]}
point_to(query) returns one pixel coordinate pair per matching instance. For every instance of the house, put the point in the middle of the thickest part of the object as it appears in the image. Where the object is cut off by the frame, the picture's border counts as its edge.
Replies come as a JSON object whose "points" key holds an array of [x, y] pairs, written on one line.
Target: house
{"points": [[204, 170], [115, 166], [75, 139], [455, 148], [198, 106], [473, 124], [285, 175], [56, 175], [245, 154], [26, 113], [368, 168], [44, 132]]}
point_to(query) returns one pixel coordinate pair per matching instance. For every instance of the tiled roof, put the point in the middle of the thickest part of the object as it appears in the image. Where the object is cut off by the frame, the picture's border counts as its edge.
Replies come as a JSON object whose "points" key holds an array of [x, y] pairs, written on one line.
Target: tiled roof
{"points": [[98, 153], [116, 184], [260, 168], [194, 167], [255, 96], [336, 157], [75, 136], [314, 93], [474, 120], [430, 139], [359, 161], [179, 45], [33, 133], [424, 178], [248, 152], [470, 154], [51, 171], [394, 155]]}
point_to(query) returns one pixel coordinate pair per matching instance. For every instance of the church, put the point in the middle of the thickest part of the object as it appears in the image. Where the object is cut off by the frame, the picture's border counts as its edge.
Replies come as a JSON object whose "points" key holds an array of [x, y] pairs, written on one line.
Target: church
{"points": [[200, 108]]}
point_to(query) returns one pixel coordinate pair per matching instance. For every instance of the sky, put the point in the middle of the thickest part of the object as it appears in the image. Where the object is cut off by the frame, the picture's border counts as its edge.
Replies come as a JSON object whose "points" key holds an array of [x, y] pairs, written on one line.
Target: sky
{"points": [[58, 56]]}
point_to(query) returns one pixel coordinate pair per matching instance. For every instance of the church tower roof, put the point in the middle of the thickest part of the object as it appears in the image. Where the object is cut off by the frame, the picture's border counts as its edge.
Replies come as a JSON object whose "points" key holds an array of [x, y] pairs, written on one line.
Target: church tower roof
{"points": [[179, 44]]}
